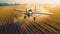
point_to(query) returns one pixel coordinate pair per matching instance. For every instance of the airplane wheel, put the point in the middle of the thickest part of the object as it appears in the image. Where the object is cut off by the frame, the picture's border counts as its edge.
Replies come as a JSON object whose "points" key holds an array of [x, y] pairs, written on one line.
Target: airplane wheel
{"points": [[34, 18], [24, 17]]}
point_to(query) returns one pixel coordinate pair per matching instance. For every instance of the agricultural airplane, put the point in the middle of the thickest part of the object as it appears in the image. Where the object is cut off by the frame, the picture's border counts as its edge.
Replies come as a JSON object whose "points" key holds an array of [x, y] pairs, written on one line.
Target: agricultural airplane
{"points": [[29, 12]]}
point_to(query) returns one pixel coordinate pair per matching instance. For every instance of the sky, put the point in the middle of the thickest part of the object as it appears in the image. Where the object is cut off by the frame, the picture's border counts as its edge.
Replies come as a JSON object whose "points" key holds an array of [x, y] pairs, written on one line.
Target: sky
{"points": [[31, 1]]}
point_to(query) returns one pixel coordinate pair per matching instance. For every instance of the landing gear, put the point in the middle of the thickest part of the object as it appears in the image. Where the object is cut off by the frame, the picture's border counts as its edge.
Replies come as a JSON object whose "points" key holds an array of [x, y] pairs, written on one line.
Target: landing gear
{"points": [[25, 17], [34, 18]]}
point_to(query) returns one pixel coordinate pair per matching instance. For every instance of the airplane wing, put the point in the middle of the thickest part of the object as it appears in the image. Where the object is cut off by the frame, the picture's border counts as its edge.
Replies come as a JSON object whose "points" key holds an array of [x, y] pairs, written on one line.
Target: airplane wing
{"points": [[20, 10], [43, 13]]}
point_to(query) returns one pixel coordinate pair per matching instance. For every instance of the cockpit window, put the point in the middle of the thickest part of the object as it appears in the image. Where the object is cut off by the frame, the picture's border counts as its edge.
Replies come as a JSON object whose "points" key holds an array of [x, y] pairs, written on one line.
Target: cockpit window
{"points": [[30, 10]]}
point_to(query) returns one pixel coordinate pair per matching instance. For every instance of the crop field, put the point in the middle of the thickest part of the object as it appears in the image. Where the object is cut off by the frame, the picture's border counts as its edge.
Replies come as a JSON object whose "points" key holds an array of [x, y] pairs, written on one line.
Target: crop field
{"points": [[13, 22]]}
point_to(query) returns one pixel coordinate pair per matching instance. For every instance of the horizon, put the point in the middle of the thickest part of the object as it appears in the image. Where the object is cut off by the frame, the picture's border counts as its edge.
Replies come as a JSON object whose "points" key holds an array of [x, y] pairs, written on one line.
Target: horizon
{"points": [[31, 1]]}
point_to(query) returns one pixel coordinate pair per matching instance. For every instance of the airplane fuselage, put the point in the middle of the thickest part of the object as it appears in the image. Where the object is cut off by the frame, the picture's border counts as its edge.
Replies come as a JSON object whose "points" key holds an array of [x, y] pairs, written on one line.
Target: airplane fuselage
{"points": [[29, 13]]}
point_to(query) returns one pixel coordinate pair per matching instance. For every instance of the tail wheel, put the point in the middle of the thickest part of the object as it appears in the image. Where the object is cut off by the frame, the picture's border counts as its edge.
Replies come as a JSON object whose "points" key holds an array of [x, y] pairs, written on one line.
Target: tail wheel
{"points": [[24, 17], [34, 18]]}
